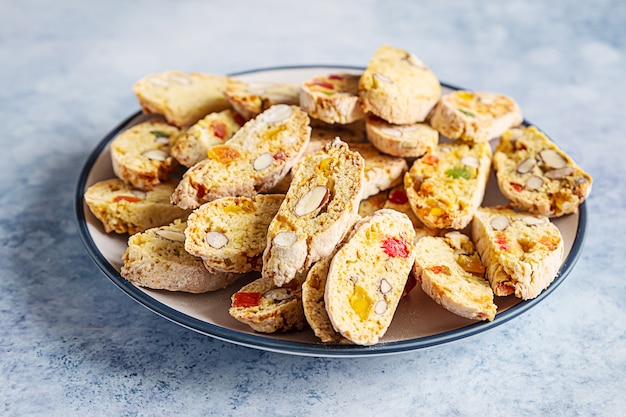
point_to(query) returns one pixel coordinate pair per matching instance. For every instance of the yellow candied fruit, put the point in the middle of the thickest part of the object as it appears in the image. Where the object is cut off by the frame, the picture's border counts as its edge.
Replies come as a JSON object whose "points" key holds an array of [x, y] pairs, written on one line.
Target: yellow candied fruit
{"points": [[465, 95], [436, 211], [223, 153], [241, 206], [325, 165], [273, 133], [361, 302]]}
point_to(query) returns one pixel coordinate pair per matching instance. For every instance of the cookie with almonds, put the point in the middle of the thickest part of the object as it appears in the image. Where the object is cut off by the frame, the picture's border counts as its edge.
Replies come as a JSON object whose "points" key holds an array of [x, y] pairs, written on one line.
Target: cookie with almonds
{"points": [[254, 160], [319, 208], [141, 155], [156, 259], [521, 252], [537, 176], [230, 233]]}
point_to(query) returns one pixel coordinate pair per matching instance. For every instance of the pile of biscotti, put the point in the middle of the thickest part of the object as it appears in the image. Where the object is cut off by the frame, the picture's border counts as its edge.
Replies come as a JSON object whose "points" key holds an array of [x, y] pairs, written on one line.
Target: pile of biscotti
{"points": [[341, 194]]}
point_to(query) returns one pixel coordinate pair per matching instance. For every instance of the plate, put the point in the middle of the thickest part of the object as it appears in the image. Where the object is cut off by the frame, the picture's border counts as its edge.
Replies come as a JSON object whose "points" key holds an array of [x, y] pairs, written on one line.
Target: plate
{"points": [[419, 322]]}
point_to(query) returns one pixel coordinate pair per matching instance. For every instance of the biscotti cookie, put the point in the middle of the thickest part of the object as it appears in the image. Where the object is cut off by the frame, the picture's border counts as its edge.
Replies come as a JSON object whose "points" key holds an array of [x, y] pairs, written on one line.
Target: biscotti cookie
{"points": [[521, 252], [319, 208], [475, 116], [411, 140], [381, 171], [230, 233], [537, 176], [124, 209], [182, 98], [397, 87], [213, 129], [315, 312], [268, 308], [368, 274], [253, 161], [252, 98], [141, 155], [452, 274], [332, 98], [446, 185], [157, 259]]}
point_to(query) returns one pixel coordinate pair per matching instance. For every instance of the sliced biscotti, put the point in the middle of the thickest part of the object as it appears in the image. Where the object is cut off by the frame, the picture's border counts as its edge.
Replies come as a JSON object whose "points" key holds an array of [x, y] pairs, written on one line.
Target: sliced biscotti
{"points": [[141, 155], [451, 273], [250, 99], [537, 176], [332, 98], [124, 209], [230, 233], [368, 274], [182, 98], [315, 312], [397, 87], [522, 252], [320, 206], [253, 161], [446, 185], [268, 308], [475, 116], [157, 259], [410, 140], [213, 129]]}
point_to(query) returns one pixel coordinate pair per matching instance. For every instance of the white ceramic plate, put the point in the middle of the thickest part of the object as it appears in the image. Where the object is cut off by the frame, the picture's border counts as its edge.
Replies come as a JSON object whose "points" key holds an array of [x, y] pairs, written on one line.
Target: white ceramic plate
{"points": [[418, 323]]}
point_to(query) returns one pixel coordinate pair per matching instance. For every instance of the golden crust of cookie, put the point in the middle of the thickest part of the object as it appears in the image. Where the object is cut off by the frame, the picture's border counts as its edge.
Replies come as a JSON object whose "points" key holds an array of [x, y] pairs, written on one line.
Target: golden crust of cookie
{"points": [[447, 185], [213, 129], [522, 252], [475, 116], [141, 155], [410, 140], [124, 209], [537, 176], [397, 87], [452, 274], [253, 161], [368, 274], [156, 259], [230, 233], [332, 98], [250, 99], [319, 208], [268, 308], [182, 98]]}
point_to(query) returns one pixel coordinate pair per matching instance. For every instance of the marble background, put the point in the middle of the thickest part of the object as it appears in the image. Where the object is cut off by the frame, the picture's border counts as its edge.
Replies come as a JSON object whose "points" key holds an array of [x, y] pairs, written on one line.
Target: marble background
{"points": [[71, 343]]}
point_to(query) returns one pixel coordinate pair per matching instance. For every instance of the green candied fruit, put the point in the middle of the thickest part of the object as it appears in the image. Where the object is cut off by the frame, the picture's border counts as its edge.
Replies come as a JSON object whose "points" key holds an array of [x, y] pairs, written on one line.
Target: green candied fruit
{"points": [[464, 172], [159, 134]]}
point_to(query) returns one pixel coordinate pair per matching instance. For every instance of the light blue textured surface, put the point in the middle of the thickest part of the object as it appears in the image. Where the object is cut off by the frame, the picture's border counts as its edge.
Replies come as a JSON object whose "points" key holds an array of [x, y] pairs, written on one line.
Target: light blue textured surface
{"points": [[71, 343]]}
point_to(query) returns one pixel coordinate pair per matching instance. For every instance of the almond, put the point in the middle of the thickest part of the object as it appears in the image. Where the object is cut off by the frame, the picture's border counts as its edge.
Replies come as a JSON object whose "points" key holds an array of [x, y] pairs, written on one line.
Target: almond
{"points": [[172, 235], [380, 307], [384, 286], [277, 113], [534, 182], [557, 174], [216, 240], [156, 155], [552, 158], [311, 201], [470, 161], [526, 165], [285, 239], [383, 78], [278, 294], [263, 161], [500, 222]]}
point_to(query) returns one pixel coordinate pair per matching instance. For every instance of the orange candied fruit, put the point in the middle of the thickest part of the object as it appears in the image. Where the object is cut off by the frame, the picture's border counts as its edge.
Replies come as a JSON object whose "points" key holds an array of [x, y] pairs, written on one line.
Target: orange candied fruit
{"points": [[223, 153]]}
